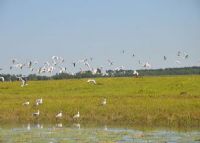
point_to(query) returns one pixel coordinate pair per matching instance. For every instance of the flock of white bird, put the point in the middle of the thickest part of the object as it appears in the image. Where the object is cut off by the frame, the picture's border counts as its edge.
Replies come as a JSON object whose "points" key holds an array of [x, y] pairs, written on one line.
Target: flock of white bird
{"points": [[39, 102], [56, 63], [58, 115]]}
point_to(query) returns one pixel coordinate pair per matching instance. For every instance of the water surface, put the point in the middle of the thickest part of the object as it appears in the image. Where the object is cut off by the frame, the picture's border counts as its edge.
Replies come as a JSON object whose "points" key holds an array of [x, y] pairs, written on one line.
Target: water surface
{"points": [[59, 133]]}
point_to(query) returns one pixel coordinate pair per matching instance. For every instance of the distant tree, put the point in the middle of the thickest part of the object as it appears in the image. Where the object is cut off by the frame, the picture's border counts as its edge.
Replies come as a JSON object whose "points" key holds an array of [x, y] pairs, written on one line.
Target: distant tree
{"points": [[111, 73]]}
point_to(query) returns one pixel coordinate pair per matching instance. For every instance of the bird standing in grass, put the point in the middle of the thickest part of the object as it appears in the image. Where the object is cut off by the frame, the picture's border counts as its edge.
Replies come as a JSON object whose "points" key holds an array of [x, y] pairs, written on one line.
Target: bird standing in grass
{"points": [[39, 101], [36, 114], [59, 115], [23, 80], [91, 81], [75, 117], [104, 102], [26, 103]]}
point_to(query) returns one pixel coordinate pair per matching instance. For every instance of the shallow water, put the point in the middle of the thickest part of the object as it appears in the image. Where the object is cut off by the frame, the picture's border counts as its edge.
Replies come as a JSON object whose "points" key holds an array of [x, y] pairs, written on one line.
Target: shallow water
{"points": [[59, 133]]}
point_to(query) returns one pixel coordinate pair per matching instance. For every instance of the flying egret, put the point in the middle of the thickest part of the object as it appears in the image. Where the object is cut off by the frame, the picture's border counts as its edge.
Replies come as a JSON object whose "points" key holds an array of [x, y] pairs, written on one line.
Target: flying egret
{"points": [[96, 71], [2, 78], [139, 62], [62, 69], [61, 60], [186, 56], [82, 61], [29, 64], [35, 62], [119, 68], [74, 64], [135, 73], [178, 62], [147, 65], [54, 57], [14, 61], [87, 65], [165, 58], [179, 53], [20, 65], [110, 62]]}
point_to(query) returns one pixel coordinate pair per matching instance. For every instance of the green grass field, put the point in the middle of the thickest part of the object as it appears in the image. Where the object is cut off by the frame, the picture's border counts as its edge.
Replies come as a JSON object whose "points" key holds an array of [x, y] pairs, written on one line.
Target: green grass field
{"points": [[168, 100]]}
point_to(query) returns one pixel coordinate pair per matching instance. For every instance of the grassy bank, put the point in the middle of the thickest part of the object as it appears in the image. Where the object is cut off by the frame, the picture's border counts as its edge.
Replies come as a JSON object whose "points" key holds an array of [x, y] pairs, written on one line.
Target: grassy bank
{"points": [[173, 100]]}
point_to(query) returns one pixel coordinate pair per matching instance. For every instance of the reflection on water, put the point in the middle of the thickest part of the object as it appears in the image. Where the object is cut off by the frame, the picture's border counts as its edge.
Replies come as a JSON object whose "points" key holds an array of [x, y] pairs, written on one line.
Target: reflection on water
{"points": [[59, 133], [59, 125]]}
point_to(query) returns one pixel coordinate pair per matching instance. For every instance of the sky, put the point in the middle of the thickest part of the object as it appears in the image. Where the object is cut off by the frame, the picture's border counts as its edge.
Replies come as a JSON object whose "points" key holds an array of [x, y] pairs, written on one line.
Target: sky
{"points": [[102, 29]]}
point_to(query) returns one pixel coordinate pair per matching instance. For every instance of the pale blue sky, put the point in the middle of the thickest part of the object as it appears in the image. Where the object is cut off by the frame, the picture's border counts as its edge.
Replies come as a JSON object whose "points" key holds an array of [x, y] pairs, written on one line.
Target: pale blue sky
{"points": [[39, 29]]}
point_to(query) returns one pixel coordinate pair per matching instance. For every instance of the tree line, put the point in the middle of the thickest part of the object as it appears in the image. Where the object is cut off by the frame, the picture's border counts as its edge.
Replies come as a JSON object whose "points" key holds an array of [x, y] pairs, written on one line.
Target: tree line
{"points": [[110, 73]]}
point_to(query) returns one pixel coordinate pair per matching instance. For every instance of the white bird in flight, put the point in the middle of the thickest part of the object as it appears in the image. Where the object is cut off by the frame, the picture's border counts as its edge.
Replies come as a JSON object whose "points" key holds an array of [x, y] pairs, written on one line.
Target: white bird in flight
{"points": [[87, 65], [179, 53], [14, 61], [62, 69], [110, 62], [186, 56], [2, 78], [74, 64], [135, 73], [178, 62], [165, 58], [82, 61], [147, 65]]}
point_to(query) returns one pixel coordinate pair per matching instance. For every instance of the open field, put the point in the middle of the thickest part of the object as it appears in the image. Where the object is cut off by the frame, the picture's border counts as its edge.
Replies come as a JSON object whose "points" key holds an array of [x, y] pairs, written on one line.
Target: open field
{"points": [[169, 100]]}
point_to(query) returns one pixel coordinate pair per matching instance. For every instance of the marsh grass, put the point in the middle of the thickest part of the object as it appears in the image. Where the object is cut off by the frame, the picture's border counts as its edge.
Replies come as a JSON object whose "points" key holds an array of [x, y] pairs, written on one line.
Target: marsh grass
{"points": [[169, 100]]}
